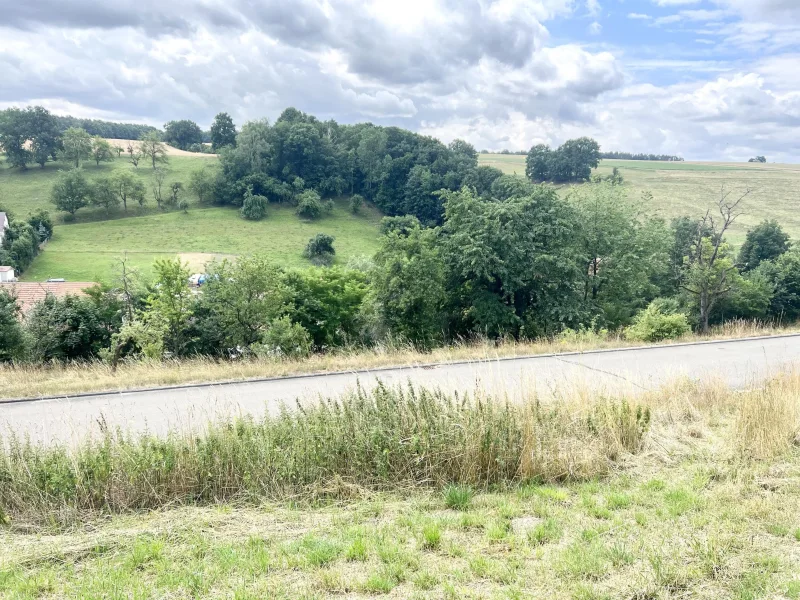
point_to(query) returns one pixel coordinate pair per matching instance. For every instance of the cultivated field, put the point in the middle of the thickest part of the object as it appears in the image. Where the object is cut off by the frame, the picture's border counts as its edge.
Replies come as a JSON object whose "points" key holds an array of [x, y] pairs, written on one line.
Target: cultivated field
{"points": [[688, 188], [171, 151]]}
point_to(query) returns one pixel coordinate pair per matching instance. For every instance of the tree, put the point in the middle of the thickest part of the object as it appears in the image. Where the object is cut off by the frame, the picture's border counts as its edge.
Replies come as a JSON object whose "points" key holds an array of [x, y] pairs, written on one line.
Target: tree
{"points": [[202, 184], [182, 134], [153, 149], [101, 151], [463, 148], [77, 146], [128, 187], [758, 159], [223, 132], [537, 163], [409, 286], [254, 207], [356, 202], [70, 328], [43, 134], [766, 241], [42, 224], [14, 133], [170, 304], [245, 297], [319, 249], [709, 267], [512, 264], [12, 339], [371, 152], [71, 191], [104, 193], [309, 205], [157, 185], [622, 253], [326, 303], [134, 154], [175, 188]]}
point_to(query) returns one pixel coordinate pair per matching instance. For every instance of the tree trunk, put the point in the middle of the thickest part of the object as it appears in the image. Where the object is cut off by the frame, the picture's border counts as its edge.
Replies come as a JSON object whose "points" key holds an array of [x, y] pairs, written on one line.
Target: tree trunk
{"points": [[704, 311]]}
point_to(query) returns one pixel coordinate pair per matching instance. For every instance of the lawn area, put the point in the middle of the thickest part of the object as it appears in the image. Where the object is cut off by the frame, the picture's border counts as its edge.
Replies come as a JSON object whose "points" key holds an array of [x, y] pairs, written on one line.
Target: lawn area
{"points": [[87, 251], [22, 192], [681, 520], [686, 188]]}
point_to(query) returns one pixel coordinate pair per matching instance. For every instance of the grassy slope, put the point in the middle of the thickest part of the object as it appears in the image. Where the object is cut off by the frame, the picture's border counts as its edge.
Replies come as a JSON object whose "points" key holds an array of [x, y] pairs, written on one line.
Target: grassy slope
{"points": [[681, 520], [690, 188], [86, 250]]}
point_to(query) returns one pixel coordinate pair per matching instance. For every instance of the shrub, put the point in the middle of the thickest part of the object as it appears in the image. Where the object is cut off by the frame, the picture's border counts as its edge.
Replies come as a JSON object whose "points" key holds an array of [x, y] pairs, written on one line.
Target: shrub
{"points": [[356, 202], [654, 324], [309, 205], [254, 207], [319, 249], [284, 339]]}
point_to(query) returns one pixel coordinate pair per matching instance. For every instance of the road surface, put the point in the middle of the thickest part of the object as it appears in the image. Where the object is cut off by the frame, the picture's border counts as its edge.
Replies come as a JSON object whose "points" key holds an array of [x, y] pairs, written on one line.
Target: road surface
{"points": [[737, 362]]}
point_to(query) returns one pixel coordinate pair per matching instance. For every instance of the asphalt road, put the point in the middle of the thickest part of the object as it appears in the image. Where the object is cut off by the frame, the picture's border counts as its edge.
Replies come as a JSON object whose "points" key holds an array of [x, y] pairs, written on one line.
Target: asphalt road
{"points": [[738, 363]]}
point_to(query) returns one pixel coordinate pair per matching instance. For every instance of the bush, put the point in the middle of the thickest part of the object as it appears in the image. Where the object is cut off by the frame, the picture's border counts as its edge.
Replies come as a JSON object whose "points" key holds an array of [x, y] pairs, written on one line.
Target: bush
{"points": [[254, 207], [654, 324], [356, 202], [319, 249], [309, 205], [284, 339]]}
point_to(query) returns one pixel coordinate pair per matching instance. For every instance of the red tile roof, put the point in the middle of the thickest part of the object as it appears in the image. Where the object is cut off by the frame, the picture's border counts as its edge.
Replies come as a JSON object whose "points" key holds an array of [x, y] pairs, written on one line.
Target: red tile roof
{"points": [[29, 293]]}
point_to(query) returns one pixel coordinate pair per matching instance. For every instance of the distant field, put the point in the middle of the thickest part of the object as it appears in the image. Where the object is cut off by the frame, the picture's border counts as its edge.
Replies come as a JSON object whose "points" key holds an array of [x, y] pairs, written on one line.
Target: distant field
{"points": [[689, 188], [87, 251], [22, 192], [170, 150]]}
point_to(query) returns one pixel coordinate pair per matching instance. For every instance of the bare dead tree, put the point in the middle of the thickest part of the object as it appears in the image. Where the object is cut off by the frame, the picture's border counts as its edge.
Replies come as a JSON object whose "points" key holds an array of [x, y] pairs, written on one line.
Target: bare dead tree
{"points": [[706, 278]]}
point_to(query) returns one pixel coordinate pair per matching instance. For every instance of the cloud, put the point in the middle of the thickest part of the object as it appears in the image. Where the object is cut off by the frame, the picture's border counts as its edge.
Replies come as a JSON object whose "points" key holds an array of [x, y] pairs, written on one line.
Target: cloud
{"points": [[485, 70], [675, 2]]}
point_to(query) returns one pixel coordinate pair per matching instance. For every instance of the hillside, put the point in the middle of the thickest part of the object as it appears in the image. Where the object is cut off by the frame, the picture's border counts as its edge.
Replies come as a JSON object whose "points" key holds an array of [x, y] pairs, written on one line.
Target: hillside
{"points": [[689, 188], [87, 249]]}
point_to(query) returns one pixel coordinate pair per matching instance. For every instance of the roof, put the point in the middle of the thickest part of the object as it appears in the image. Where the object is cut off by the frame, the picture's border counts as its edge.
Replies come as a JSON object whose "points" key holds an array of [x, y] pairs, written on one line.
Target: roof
{"points": [[29, 293], [5, 269]]}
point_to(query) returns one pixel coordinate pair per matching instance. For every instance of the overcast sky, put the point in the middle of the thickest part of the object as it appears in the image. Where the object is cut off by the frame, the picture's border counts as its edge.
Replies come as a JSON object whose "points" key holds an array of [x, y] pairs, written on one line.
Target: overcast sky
{"points": [[706, 79]]}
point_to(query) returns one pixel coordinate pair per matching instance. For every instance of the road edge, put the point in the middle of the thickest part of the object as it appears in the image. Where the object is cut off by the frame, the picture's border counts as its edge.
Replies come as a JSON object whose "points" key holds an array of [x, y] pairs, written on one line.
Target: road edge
{"points": [[227, 382]]}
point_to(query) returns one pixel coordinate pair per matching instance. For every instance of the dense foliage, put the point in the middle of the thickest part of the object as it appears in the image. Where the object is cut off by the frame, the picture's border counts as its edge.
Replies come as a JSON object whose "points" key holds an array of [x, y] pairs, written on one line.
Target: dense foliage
{"points": [[572, 161], [22, 239]]}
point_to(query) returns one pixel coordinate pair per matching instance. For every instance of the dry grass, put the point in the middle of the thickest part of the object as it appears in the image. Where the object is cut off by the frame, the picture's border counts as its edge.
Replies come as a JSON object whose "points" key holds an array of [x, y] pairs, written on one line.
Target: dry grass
{"points": [[64, 379], [171, 150]]}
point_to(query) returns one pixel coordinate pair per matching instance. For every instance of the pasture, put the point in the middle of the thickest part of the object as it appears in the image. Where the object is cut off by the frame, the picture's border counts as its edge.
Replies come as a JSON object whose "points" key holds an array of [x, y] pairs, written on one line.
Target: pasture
{"points": [[689, 188], [88, 251]]}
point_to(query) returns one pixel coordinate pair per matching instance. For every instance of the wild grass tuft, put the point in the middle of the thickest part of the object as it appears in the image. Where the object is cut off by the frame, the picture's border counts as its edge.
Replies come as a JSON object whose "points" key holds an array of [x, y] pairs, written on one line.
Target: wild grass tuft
{"points": [[384, 439]]}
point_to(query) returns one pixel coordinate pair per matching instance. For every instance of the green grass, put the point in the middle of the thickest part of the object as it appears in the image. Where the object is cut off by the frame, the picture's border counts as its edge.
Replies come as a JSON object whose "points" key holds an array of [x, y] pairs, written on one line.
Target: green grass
{"points": [[685, 188], [22, 192], [383, 545], [87, 251]]}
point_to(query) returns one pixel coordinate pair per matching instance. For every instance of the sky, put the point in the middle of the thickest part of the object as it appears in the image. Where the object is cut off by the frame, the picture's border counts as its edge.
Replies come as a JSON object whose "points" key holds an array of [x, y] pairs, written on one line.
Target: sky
{"points": [[703, 79]]}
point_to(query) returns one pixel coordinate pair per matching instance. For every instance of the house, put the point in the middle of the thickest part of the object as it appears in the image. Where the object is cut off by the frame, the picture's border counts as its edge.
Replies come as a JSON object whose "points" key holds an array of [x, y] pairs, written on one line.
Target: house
{"points": [[4, 224], [29, 293], [6, 274]]}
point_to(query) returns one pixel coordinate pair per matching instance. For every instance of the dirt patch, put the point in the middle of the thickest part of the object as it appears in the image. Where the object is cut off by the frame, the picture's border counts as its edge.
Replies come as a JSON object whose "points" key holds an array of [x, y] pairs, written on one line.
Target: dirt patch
{"points": [[197, 260], [170, 150]]}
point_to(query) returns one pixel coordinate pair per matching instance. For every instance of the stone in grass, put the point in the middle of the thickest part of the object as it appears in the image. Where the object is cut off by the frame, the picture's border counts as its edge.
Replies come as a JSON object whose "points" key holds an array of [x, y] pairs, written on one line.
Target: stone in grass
{"points": [[522, 525]]}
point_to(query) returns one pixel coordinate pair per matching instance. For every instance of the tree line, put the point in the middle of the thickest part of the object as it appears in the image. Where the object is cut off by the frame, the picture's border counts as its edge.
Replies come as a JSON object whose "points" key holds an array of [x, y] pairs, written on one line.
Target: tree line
{"points": [[640, 156], [520, 262]]}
